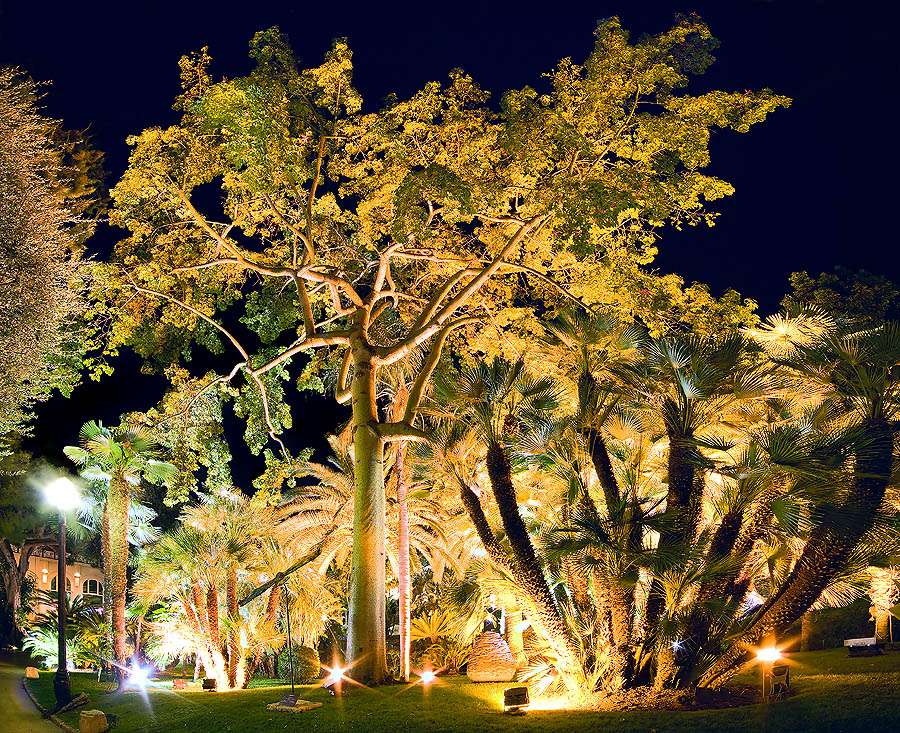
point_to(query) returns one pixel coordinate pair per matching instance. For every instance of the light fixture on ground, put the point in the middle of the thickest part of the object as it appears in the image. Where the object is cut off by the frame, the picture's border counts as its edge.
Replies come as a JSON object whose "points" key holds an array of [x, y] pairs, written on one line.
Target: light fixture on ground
{"points": [[775, 678], [63, 496], [427, 677], [334, 679], [515, 700]]}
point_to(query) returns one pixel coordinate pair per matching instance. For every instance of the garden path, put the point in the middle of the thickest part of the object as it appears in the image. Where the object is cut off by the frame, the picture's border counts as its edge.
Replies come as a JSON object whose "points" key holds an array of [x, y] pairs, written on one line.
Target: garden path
{"points": [[18, 712]]}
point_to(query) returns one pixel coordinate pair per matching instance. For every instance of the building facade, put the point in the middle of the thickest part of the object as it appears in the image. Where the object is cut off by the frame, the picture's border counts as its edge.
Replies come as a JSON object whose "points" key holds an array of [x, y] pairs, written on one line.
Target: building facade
{"points": [[81, 578]]}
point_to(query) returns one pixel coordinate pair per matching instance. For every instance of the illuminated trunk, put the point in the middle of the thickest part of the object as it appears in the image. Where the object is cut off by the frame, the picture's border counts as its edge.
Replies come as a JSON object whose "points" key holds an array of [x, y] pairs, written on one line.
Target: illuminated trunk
{"points": [[679, 504], [543, 613], [824, 555], [366, 652], [403, 562], [219, 666], [235, 653], [117, 511], [195, 627], [806, 630]]}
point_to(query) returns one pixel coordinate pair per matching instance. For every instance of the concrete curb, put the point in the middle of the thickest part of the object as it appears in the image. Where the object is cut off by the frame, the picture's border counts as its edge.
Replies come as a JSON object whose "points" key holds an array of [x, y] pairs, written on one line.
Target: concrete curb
{"points": [[43, 711]]}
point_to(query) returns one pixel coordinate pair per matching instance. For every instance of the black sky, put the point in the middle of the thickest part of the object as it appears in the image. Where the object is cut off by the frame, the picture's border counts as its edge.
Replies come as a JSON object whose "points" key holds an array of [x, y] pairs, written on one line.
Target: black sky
{"points": [[814, 184]]}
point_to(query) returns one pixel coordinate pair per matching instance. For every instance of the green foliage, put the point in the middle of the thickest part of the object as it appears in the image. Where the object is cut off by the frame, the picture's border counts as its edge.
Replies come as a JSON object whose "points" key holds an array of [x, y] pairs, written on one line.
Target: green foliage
{"points": [[306, 665], [315, 191], [446, 655], [859, 296], [49, 200]]}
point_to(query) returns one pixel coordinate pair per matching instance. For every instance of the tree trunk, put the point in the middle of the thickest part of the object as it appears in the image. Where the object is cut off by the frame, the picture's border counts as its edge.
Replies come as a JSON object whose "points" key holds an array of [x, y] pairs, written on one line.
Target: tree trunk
{"points": [[106, 560], [515, 637], [681, 507], [544, 614], [235, 653], [219, 665], [403, 562], [14, 575], [824, 555], [366, 653], [807, 624], [117, 508]]}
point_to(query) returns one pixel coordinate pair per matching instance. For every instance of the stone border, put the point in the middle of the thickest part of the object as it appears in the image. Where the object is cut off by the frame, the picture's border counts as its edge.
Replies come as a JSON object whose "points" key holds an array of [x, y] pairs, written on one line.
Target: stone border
{"points": [[43, 711]]}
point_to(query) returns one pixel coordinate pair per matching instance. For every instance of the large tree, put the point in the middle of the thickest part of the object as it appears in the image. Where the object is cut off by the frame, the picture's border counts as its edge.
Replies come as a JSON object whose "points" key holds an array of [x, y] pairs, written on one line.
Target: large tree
{"points": [[368, 237], [48, 185]]}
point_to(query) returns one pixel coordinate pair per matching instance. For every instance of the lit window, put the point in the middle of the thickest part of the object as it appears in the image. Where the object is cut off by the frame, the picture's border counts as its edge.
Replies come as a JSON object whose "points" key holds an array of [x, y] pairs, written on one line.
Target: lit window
{"points": [[68, 585], [92, 588]]}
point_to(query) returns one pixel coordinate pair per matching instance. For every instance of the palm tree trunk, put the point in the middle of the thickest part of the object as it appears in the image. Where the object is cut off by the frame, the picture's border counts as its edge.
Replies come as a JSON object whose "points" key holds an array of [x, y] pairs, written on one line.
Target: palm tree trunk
{"points": [[544, 613], [366, 648], [199, 632], [117, 508], [219, 665], [106, 558], [824, 555], [235, 653], [681, 507]]}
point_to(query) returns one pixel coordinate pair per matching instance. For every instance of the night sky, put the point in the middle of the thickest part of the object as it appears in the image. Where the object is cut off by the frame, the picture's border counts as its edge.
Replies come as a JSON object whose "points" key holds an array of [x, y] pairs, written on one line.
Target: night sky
{"points": [[814, 183]]}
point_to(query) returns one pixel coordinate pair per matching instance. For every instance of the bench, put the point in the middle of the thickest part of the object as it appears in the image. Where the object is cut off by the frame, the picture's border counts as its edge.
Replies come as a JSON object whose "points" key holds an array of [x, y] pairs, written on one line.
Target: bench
{"points": [[209, 684], [866, 646]]}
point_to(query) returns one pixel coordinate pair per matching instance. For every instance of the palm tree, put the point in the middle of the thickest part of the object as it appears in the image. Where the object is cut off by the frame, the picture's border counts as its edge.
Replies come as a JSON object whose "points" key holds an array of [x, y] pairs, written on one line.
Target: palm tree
{"points": [[503, 401], [118, 458], [218, 550], [321, 516], [856, 375]]}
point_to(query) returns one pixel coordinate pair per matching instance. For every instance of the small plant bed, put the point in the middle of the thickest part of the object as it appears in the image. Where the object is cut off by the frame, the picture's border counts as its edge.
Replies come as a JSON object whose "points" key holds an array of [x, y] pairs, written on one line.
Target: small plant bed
{"points": [[832, 693]]}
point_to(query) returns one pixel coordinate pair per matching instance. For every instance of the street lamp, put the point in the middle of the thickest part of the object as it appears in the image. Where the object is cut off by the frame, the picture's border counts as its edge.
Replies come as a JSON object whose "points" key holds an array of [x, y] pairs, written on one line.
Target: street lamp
{"points": [[63, 495]]}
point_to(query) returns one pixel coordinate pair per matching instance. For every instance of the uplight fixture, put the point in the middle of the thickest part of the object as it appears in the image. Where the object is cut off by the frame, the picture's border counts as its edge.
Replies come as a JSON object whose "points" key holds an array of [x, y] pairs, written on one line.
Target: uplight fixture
{"points": [[768, 655]]}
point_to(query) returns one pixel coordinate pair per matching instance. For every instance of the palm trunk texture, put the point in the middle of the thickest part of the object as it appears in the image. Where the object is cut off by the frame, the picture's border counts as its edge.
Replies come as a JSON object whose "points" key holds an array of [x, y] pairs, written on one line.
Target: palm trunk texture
{"points": [[825, 554]]}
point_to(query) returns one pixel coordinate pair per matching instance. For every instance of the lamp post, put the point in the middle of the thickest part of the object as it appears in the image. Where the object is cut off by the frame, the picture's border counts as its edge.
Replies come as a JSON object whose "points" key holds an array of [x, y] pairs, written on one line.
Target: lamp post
{"points": [[287, 618], [63, 495]]}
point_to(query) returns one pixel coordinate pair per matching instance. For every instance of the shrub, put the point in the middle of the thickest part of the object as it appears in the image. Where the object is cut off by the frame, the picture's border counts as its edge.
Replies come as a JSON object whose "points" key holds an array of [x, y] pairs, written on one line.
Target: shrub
{"points": [[447, 654], [306, 665]]}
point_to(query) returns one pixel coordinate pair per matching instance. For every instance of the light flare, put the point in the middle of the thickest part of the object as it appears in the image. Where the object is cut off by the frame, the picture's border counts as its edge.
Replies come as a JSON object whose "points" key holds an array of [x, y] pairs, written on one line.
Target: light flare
{"points": [[768, 655]]}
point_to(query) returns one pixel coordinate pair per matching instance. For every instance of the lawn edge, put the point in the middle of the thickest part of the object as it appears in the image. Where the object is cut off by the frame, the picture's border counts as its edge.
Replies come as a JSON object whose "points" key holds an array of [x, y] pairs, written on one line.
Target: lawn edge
{"points": [[43, 711]]}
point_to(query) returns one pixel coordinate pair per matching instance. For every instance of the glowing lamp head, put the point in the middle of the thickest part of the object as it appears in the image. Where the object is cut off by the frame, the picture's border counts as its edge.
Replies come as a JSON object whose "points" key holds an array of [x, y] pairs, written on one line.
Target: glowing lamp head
{"points": [[768, 655], [427, 677], [336, 674], [62, 494]]}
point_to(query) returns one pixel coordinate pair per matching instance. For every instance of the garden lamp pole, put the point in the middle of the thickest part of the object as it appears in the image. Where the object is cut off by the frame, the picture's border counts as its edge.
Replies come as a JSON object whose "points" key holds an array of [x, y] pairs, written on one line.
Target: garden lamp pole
{"points": [[61, 680], [287, 616], [63, 495]]}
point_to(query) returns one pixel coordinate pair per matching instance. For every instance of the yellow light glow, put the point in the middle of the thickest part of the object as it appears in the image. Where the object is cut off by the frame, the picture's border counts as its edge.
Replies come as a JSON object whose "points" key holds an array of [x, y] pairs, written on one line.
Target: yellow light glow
{"points": [[768, 654], [550, 703], [427, 677], [336, 674]]}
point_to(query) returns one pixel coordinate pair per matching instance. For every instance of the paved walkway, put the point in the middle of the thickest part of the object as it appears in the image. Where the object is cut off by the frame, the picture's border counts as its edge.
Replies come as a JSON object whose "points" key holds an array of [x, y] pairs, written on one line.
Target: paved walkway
{"points": [[17, 713]]}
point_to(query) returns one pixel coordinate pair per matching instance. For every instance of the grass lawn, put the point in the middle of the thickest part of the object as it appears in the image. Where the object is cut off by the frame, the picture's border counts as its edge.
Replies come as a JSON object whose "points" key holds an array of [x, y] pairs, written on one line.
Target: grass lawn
{"points": [[834, 693]]}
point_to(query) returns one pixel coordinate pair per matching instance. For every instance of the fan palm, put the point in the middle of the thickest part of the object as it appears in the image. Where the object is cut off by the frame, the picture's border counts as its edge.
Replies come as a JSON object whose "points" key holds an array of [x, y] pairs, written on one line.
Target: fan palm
{"points": [[502, 401], [857, 374], [119, 458]]}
